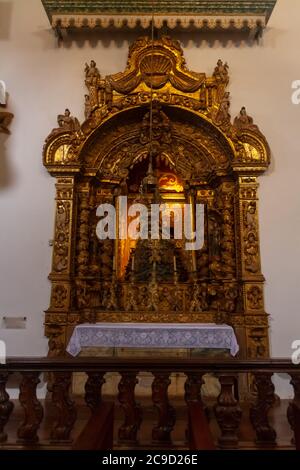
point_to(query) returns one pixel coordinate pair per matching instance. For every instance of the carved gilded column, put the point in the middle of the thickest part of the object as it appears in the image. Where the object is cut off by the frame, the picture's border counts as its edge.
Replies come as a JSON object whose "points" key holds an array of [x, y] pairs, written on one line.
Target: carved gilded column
{"points": [[249, 266], [62, 265]]}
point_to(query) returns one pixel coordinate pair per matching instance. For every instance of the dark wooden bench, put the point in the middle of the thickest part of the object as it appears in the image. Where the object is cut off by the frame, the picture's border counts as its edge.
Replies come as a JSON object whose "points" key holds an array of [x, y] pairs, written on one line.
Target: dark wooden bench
{"points": [[296, 412], [98, 432], [200, 437]]}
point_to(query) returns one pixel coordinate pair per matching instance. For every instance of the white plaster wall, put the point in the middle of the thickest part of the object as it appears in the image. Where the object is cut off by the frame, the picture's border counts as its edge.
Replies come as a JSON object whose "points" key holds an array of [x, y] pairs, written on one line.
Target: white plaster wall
{"points": [[43, 79]]}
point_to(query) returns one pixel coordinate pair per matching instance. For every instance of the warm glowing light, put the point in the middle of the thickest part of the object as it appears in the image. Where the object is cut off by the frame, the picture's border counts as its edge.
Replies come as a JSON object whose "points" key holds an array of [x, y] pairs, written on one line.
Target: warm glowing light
{"points": [[170, 182]]}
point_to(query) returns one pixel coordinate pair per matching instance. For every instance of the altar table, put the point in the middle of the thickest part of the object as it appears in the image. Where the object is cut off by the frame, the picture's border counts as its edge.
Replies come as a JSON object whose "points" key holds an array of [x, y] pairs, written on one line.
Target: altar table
{"points": [[153, 335]]}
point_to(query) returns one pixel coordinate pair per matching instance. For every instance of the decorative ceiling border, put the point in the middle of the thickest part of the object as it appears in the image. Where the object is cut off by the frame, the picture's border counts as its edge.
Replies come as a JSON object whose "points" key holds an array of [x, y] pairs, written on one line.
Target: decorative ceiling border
{"points": [[224, 15]]}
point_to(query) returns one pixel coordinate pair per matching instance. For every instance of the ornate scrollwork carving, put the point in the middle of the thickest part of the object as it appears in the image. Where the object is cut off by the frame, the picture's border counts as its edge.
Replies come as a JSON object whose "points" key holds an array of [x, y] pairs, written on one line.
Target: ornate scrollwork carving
{"points": [[255, 298], [257, 342], [83, 239], [62, 233], [59, 296]]}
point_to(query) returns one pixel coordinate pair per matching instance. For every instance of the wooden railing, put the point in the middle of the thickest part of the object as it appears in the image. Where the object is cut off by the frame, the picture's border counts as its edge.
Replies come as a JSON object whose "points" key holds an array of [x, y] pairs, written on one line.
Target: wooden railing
{"points": [[227, 409]]}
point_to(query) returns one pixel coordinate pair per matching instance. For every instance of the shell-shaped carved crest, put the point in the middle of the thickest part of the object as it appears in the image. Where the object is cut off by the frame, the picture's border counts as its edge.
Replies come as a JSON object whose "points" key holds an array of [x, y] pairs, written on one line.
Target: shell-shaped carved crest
{"points": [[155, 69]]}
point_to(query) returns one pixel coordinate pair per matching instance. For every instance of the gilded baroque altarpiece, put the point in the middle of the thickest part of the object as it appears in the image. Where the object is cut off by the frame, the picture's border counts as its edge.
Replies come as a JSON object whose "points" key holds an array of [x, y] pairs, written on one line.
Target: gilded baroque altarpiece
{"points": [[199, 155]]}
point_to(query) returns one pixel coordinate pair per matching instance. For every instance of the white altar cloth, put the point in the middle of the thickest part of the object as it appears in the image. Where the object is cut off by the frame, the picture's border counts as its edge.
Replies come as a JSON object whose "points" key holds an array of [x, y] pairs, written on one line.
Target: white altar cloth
{"points": [[153, 335]]}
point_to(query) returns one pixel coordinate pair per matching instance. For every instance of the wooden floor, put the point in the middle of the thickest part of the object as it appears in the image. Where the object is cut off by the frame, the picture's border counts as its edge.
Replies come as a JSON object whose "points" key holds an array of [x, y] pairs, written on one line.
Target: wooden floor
{"points": [[247, 437]]}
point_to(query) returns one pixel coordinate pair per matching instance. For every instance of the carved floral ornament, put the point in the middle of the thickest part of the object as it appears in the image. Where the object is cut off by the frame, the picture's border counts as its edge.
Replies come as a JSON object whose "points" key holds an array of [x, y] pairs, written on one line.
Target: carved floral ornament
{"points": [[194, 111]]}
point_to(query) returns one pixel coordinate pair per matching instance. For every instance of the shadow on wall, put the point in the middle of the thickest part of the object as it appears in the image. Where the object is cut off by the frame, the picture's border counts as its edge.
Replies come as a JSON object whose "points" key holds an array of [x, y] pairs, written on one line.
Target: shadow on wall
{"points": [[5, 19], [6, 178], [106, 37]]}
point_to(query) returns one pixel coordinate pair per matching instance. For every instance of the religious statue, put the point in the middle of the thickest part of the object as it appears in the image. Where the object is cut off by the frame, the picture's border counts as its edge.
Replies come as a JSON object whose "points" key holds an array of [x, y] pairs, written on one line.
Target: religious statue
{"points": [[176, 303], [257, 346], [153, 294], [108, 93], [110, 300], [91, 71], [161, 129], [62, 215], [82, 294], [5, 116], [87, 106], [106, 256], [216, 266], [67, 122], [144, 297], [214, 236], [203, 264], [131, 298], [196, 302], [243, 120], [221, 318], [251, 252], [250, 221], [222, 115], [230, 292], [221, 71], [255, 298]]}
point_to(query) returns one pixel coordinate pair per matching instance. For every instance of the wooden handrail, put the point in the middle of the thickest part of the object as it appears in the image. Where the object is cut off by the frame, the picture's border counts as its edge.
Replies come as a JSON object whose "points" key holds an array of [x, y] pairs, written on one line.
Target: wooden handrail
{"points": [[227, 410], [130, 364]]}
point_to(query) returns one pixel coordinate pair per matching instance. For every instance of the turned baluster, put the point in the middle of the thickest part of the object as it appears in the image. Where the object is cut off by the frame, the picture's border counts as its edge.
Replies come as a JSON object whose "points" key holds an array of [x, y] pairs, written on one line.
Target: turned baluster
{"points": [[192, 388], [65, 408], [6, 406], [132, 411], [166, 413], [294, 406], [33, 410], [93, 388], [265, 434], [228, 413]]}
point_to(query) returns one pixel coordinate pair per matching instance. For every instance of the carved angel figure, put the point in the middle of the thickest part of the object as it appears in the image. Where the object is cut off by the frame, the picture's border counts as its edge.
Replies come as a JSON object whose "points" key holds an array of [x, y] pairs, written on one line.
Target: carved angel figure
{"points": [[131, 303], [243, 120], [153, 296], [87, 105], [5, 117], [196, 302], [249, 218], [221, 71], [68, 122], [230, 296], [91, 71], [111, 300], [251, 253], [223, 116]]}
